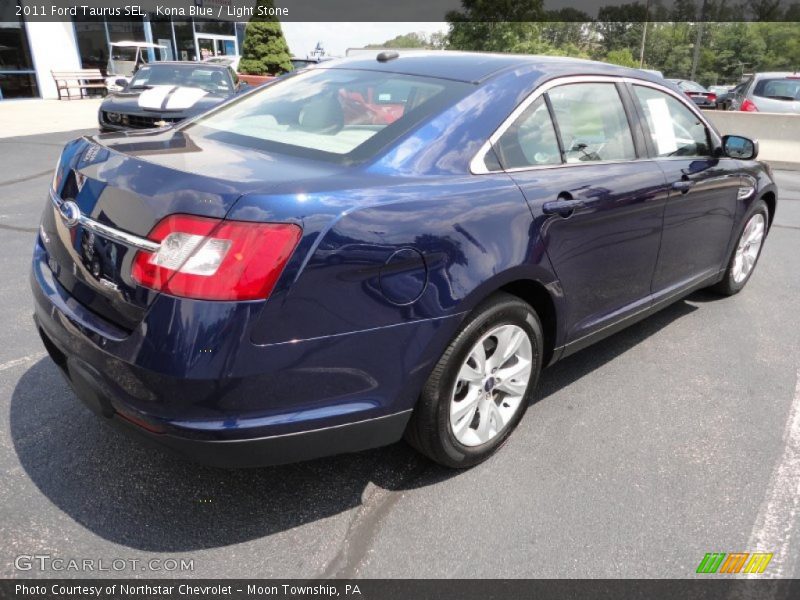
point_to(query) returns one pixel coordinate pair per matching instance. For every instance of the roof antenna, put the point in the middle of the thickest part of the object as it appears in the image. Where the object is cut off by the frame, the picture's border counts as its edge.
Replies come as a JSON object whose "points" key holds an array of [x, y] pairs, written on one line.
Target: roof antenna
{"points": [[387, 55]]}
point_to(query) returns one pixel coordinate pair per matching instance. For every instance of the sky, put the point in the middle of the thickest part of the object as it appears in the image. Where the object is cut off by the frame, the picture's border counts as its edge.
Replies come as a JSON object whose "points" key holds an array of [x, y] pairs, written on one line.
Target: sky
{"points": [[336, 38]]}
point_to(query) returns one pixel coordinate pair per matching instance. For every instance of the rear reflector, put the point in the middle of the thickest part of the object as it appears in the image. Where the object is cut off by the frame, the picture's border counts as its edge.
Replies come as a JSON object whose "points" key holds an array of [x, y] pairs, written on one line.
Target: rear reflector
{"points": [[212, 259]]}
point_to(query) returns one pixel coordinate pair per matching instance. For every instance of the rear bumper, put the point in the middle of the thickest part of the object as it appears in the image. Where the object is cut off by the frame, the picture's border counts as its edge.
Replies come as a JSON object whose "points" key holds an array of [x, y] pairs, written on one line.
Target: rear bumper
{"points": [[92, 389], [95, 391], [270, 405]]}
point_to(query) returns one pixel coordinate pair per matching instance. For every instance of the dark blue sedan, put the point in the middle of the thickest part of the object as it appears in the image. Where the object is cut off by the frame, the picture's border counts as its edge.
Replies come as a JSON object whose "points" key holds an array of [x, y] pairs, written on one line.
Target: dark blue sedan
{"points": [[382, 248]]}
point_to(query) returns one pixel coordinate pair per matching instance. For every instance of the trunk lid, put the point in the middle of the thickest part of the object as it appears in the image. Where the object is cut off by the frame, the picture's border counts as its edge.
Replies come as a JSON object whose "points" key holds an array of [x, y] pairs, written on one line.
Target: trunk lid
{"points": [[129, 183]]}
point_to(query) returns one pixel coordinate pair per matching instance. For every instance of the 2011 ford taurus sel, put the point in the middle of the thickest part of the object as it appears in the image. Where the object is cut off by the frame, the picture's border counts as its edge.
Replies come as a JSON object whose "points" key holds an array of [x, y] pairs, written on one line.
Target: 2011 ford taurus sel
{"points": [[379, 248]]}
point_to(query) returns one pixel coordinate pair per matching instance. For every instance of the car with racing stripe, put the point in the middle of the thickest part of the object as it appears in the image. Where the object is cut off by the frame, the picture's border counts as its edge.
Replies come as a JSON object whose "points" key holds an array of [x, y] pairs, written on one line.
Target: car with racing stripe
{"points": [[165, 93]]}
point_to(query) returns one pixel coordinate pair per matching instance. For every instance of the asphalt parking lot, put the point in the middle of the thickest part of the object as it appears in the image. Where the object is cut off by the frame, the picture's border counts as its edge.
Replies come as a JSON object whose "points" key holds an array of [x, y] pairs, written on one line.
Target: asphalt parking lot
{"points": [[676, 437]]}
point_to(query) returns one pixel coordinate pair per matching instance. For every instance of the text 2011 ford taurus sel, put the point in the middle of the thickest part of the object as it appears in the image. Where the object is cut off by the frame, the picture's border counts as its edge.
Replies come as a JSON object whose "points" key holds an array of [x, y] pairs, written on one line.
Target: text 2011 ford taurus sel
{"points": [[373, 249]]}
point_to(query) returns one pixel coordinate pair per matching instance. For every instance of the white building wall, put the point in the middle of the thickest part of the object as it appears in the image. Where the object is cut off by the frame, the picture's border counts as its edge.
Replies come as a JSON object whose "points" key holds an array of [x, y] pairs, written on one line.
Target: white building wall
{"points": [[53, 48]]}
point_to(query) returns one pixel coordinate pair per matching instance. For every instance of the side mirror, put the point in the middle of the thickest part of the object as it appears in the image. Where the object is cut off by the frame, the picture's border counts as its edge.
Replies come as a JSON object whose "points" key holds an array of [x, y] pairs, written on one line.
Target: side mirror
{"points": [[736, 146], [123, 83]]}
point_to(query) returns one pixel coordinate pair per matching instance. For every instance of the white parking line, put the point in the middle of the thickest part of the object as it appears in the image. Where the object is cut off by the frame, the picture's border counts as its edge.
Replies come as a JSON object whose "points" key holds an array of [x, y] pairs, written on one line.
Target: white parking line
{"points": [[777, 517], [21, 361]]}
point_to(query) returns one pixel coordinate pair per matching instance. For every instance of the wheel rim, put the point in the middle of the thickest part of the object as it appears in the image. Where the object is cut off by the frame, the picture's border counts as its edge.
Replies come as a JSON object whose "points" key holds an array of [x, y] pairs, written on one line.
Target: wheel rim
{"points": [[748, 248], [491, 385]]}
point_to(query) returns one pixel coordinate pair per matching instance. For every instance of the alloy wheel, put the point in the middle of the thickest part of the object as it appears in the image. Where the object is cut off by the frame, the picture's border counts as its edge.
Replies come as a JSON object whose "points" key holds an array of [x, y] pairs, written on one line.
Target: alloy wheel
{"points": [[491, 385], [748, 248]]}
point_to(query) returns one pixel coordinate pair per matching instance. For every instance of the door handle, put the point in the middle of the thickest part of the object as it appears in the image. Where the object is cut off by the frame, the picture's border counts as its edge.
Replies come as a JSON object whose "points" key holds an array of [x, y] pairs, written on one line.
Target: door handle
{"points": [[683, 186], [563, 207]]}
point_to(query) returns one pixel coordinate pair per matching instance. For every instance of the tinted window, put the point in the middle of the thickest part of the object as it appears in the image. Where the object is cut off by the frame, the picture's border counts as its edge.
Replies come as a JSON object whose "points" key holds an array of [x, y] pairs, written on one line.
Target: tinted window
{"points": [[675, 130], [592, 122], [778, 88], [330, 113], [691, 86], [530, 141]]}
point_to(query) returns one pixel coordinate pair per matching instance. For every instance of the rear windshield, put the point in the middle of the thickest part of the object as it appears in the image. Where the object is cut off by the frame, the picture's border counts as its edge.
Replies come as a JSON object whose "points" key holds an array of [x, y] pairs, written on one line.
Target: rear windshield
{"points": [[691, 86], [334, 114], [780, 88]]}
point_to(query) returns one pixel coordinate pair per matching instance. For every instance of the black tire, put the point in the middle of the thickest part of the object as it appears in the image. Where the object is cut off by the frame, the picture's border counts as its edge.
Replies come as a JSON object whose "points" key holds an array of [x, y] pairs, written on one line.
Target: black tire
{"points": [[429, 430], [728, 286]]}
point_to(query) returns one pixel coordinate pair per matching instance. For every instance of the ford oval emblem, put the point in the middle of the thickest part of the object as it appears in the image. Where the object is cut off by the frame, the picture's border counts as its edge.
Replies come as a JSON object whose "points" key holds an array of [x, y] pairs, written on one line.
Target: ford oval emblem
{"points": [[70, 212]]}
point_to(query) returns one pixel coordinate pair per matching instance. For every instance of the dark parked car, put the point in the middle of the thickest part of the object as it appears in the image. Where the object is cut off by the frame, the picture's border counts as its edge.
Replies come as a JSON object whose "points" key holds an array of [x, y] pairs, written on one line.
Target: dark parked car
{"points": [[699, 95], [769, 92], [378, 248], [724, 99], [166, 93]]}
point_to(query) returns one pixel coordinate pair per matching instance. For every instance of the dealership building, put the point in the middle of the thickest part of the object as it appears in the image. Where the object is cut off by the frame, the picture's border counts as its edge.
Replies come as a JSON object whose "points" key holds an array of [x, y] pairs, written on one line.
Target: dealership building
{"points": [[30, 49]]}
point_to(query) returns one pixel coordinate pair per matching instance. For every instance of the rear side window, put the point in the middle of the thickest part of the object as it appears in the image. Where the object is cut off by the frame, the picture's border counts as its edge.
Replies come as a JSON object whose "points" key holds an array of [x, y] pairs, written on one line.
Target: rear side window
{"points": [[592, 122], [531, 139], [674, 129]]}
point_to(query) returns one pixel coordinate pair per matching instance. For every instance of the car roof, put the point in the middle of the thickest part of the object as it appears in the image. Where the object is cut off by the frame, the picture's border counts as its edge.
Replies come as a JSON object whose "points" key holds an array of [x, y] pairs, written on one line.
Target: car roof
{"points": [[777, 74], [476, 67]]}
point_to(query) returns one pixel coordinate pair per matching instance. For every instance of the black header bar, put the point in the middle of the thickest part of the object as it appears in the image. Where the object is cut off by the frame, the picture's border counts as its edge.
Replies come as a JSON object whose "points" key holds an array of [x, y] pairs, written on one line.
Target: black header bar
{"points": [[408, 10]]}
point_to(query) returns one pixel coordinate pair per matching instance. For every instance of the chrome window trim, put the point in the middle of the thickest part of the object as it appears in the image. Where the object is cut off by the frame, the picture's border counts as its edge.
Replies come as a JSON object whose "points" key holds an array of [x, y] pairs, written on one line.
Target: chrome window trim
{"points": [[477, 165], [128, 239]]}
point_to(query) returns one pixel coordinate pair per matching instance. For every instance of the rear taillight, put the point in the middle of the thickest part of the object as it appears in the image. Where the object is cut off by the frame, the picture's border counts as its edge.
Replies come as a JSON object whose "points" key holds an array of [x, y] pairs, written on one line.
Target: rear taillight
{"points": [[748, 106], [712, 97], [212, 259]]}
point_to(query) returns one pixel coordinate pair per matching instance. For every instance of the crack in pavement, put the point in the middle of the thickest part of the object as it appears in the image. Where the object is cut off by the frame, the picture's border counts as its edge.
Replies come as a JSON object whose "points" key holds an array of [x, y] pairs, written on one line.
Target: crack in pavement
{"points": [[26, 178], [364, 526], [18, 229]]}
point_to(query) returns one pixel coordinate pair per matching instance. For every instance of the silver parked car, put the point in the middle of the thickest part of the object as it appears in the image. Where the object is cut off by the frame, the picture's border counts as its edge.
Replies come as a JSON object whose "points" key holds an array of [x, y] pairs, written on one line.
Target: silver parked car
{"points": [[769, 92]]}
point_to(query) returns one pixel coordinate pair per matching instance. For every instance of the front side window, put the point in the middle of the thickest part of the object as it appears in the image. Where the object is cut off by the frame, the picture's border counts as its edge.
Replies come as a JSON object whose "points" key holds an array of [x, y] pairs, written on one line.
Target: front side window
{"points": [[530, 141], [330, 113], [674, 129], [592, 122]]}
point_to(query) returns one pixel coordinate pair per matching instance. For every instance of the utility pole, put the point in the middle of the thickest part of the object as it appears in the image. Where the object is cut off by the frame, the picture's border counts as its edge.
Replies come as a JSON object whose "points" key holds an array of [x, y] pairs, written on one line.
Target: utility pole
{"points": [[698, 39], [644, 34]]}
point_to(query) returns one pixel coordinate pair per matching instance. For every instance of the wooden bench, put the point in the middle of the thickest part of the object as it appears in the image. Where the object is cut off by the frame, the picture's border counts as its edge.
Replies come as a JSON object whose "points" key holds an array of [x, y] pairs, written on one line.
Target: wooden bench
{"points": [[82, 79]]}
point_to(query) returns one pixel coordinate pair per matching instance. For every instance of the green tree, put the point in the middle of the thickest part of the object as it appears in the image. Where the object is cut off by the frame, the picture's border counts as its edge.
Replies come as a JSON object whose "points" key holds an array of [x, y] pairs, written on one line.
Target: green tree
{"points": [[622, 57], [408, 40], [495, 25], [264, 51]]}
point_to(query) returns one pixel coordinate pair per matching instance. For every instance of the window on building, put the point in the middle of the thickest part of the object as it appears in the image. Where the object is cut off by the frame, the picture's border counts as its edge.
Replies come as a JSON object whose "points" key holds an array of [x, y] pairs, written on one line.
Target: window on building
{"points": [[17, 76], [184, 36], [92, 43], [162, 35]]}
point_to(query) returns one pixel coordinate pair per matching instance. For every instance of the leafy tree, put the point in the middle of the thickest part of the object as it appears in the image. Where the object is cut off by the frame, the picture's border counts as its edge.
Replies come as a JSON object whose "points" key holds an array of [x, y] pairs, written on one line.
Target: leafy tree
{"points": [[264, 51], [729, 47], [435, 41], [494, 25], [622, 57]]}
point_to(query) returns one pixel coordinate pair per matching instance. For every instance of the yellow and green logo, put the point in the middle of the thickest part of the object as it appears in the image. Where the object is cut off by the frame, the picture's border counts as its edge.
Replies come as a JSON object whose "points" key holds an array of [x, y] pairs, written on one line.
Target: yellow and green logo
{"points": [[734, 562]]}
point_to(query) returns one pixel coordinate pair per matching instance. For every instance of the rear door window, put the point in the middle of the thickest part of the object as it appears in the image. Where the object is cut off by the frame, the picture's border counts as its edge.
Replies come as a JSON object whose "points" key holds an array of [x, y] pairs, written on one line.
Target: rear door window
{"points": [[530, 141]]}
